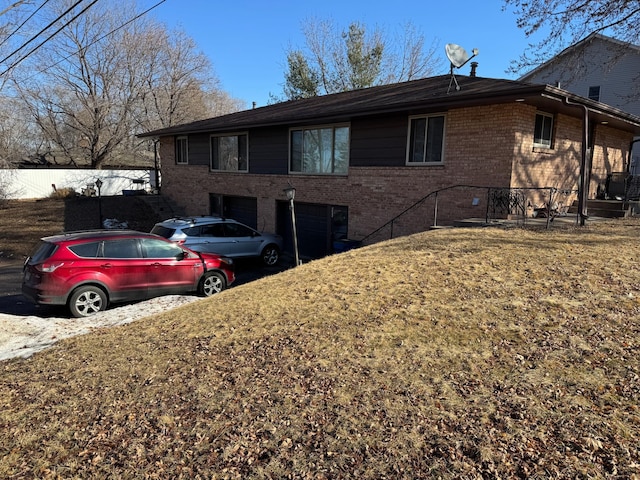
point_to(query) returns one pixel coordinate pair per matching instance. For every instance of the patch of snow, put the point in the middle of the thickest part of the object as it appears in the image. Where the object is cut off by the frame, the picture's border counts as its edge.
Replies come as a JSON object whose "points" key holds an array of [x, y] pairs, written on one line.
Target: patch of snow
{"points": [[22, 336]]}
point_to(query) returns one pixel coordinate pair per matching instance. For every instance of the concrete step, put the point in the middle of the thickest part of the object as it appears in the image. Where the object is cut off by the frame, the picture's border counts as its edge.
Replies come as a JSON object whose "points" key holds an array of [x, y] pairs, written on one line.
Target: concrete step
{"points": [[604, 208], [164, 206]]}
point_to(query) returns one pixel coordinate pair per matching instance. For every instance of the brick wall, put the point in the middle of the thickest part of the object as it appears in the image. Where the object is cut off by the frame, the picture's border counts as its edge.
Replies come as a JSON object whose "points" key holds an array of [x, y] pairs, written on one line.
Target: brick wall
{"points": [[485, 147]]}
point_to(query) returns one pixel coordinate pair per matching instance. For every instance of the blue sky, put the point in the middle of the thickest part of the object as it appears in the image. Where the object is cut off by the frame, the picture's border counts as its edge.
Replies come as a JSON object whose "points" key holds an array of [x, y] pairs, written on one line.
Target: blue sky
{"points": [[247, 40]]}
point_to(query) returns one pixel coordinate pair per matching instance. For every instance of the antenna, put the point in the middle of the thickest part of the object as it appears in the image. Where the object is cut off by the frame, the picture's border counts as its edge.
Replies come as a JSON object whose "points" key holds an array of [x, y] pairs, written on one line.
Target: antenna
{"points": [[458, 57]]}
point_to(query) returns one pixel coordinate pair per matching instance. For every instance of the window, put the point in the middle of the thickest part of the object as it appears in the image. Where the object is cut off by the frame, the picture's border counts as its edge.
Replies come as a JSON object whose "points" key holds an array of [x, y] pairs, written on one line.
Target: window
{"points": [[236, 230], [160, 249], [182, 150], [229, 153], [86, 250], [543, 130], [323, 150], [426, 139], [214, 230], [594, 93], [124, 248]]}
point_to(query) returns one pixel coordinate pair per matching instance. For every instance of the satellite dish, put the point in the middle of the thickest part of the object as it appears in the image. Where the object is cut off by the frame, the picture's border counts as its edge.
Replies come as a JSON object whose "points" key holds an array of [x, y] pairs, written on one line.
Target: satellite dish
{"points": [[458, 57]]}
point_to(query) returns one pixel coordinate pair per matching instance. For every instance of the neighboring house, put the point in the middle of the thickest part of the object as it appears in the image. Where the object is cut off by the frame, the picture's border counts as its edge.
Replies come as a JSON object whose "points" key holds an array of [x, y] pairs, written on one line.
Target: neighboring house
{"points": [[600, 68], [359, 159]]}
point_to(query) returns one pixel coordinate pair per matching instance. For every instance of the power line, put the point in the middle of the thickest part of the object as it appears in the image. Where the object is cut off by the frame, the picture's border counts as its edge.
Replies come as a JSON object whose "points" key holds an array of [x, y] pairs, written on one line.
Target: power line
{"points": [[90, 44], [42, 31], [22, 24]]}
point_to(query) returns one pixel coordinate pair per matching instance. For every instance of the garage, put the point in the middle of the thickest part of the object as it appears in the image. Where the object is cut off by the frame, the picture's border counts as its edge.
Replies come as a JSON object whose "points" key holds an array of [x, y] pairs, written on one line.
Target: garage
{"points": [[317, 225], [242, 209]]}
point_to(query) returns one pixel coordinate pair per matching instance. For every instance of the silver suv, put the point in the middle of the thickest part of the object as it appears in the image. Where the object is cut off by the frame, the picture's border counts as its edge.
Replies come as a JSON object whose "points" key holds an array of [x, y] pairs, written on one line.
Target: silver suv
{"points": [[223, 236]]}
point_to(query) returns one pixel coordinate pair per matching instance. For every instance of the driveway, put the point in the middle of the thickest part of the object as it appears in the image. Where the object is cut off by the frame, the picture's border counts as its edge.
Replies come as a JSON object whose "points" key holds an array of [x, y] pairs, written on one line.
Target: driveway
{"points": [[13, 303]]}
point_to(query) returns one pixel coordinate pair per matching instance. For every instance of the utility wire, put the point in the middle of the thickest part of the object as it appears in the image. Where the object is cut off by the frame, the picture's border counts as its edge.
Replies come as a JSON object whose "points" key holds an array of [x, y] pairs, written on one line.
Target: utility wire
{"points": [[41, 32], [22, 24], [90, 44]]}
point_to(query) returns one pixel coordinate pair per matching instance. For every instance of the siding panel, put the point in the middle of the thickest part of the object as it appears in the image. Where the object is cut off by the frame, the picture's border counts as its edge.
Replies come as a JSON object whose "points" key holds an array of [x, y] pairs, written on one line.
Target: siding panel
{"points": [[269, 151], [379, 142], [199, 151]]}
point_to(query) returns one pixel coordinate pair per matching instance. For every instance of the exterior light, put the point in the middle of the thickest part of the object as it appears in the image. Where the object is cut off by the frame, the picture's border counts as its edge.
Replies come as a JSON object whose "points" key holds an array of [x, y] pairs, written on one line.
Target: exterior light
{"points": [[99, 185], [290, 192]]}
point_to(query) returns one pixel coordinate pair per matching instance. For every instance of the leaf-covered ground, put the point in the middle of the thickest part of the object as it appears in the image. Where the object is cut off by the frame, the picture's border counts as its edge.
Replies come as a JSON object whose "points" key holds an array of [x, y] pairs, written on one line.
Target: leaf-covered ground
{"points": [[458, 353]]}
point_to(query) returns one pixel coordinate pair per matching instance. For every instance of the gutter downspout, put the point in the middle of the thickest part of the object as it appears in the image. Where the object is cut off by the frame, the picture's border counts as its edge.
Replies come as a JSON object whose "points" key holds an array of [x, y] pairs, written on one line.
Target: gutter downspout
{"points": [[156, 167], [583, 190], [628, 169]]}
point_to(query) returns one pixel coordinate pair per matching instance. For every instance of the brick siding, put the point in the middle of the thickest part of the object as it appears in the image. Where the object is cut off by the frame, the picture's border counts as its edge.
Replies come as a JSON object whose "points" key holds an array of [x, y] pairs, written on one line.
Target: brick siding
{"points": [[485, 146]]}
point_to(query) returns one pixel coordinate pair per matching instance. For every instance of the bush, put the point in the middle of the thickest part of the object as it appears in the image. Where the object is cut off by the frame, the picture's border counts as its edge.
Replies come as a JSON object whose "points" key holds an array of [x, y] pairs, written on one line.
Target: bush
{"points": [[63, 193]]}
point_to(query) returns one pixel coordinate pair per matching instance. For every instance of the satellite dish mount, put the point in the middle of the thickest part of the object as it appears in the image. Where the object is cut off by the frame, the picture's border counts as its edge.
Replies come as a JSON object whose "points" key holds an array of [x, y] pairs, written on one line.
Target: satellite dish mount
{"points": [[458, 57]]}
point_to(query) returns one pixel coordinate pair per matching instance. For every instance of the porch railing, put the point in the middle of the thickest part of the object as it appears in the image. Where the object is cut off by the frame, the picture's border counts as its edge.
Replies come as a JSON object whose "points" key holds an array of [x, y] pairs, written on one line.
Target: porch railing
{"points": [[501, 202]]}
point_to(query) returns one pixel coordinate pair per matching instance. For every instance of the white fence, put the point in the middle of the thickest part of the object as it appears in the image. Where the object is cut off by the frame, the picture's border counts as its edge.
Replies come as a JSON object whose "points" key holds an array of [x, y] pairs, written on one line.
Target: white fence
{"points": [[41, 182]]}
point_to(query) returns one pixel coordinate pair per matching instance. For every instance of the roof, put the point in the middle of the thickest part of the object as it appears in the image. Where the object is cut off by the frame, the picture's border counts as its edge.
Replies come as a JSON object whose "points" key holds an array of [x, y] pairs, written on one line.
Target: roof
{"points": [[570, 50], [417, 96]]}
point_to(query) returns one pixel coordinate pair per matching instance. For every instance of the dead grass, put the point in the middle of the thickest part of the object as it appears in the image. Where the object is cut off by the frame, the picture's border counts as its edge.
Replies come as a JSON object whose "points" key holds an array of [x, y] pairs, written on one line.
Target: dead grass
{"points": [[482, 353], [24, 222]]}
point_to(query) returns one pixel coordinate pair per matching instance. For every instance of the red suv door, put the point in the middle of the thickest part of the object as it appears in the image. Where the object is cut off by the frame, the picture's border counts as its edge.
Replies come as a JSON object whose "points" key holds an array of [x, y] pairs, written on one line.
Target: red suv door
{"points": [[121, 260], [169, 269]]}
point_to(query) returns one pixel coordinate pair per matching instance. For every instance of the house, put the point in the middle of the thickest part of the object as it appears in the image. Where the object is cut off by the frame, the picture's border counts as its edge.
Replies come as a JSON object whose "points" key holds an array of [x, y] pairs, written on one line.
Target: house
{"points": [[600, 68], [393, 159]]}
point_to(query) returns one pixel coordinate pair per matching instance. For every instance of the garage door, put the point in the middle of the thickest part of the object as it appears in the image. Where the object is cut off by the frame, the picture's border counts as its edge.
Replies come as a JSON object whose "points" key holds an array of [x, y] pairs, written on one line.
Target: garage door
{"points": [[242, 209], [316, 230]]}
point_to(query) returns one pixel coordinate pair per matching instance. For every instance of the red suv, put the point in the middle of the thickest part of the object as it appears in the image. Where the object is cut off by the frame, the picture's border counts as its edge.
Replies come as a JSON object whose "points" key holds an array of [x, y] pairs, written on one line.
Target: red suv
{"points": [[89, 270]]}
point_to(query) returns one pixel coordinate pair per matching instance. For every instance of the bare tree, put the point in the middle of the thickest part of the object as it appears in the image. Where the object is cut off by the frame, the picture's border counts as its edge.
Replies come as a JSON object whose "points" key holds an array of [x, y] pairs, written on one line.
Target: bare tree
{"points": [[219, 103], [339, 60], [565, 22], [176, 79], [408, 57], [17, 133], [107, 78]]}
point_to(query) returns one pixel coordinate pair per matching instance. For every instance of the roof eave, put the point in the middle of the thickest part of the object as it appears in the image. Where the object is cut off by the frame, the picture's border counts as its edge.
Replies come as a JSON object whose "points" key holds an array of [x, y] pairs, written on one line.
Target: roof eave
{"points": [[532, 93]]}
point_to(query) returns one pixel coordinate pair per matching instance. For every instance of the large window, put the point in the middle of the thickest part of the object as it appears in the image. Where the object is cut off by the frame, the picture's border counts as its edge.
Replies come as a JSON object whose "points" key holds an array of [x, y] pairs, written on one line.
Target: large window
{"points": [[542, 135], [182, 150], [320, 150], [426, 140], [229, 153]]}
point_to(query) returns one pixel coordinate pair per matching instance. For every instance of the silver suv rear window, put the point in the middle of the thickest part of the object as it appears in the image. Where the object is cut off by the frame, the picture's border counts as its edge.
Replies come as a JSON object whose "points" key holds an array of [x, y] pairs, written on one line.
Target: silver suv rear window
{"points": [[163, 231]]}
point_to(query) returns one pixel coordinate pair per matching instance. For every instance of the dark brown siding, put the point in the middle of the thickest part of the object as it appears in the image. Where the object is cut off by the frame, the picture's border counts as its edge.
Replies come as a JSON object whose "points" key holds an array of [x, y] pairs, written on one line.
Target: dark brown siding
{"points": [[199, 149], [269, 151], [379, 142]]}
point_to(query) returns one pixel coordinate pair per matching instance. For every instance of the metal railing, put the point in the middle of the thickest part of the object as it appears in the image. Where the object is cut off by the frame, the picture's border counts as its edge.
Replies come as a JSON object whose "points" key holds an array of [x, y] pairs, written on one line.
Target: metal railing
{"points": [[501, 202]]}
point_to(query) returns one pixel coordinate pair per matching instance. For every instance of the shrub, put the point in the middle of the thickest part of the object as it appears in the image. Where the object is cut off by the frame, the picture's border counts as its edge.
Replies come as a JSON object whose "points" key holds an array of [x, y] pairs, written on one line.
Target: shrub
{"points": [[65, 192]]}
